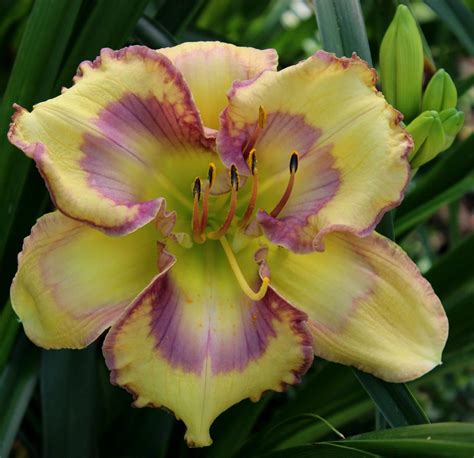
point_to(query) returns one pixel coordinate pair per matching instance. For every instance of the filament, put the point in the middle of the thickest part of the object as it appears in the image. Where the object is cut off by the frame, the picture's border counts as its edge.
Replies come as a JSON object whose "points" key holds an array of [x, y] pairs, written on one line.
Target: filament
{"points": [[289, 187], [252, 162], [262, 122], [205, 201], [234, 182]]}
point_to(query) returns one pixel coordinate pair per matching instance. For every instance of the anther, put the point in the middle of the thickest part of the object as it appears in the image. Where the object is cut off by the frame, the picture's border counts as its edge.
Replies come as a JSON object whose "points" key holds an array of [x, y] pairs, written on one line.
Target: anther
{"points": [[234, 183], [234, 265], [234, 177], [294, 162], [211, 176], [262, 117], [286, 195], [252, 163], [261, 124], [196, 225], [197, 189]]}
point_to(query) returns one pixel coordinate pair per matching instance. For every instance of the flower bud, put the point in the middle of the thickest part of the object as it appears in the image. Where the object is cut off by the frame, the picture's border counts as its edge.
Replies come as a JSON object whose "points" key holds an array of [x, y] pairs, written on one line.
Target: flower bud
{"points": [[452, 121], [441, 93], [401, 63], [428, 136]]}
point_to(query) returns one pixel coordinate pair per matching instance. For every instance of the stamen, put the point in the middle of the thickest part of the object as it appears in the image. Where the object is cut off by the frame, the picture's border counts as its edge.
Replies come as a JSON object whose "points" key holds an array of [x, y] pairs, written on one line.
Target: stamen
{"points": [[211, 176], [286, 195], [234, 182], [252, 163], [198, 237], [262, 122], [234, 265]]}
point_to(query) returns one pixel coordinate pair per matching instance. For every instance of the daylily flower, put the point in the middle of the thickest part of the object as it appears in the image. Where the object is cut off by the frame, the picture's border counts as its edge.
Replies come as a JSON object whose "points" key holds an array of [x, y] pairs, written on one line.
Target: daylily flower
{"points": [[218, 215]]}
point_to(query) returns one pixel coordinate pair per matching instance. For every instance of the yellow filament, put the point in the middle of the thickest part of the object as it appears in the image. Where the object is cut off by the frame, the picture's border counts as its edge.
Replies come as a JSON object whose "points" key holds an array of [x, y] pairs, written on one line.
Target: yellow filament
{"points": [[234, 265]]}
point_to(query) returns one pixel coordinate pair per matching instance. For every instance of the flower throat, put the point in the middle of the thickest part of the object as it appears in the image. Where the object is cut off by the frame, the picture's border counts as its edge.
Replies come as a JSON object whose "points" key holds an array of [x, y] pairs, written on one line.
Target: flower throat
{"points": [[199, 217]]}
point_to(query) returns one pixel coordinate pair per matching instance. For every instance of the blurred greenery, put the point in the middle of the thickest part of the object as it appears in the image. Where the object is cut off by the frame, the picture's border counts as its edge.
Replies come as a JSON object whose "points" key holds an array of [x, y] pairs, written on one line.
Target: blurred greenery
{"points": [[60, 403]]}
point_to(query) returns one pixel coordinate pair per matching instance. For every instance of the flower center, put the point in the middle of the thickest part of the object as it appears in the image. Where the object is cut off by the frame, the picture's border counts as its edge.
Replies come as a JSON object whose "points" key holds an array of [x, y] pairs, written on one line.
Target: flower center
{"points": [[202, 195], [199, 218]]}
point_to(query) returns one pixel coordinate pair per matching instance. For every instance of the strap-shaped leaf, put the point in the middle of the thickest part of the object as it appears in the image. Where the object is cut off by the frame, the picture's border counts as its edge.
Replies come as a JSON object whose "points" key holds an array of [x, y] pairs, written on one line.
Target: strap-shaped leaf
{"points": [[69, 402], [17, 383], [37, 63], [458, 18]]}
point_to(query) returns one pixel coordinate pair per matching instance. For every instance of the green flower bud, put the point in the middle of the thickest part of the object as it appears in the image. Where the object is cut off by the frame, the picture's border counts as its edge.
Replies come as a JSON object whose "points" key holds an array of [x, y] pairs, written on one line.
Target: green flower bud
{"points": [[401, 63], [452, 121], [429, 138], [441, 93]]}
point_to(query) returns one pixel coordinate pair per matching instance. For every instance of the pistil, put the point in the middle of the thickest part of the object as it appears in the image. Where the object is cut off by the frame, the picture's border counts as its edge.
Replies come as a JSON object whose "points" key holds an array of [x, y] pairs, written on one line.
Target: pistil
{"points": [[234, 265], [286, 195], [252, 163], [234, 183]]}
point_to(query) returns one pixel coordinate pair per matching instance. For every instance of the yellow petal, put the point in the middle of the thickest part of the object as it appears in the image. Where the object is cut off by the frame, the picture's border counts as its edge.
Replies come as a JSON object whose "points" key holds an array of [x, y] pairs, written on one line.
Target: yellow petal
{"points": [[210, 68], [73, 281], [368, 305], [352, 151], [193, 343], [116, 141]]}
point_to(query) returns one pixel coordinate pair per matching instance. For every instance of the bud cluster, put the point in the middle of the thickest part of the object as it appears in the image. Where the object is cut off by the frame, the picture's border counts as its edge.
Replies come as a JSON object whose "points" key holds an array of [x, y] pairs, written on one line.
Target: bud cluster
{"points": [[433, 118]]}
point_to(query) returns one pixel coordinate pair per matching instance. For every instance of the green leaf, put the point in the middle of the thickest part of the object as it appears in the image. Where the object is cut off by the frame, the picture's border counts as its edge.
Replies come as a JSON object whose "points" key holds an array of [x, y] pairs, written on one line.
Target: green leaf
{"points": [[394, 401], [108, 24], [153, 34], [286, 434], [340, 400], [454, 270], [233, 427], [458, 18], [421, 213], [176, 16], [342, 28], [9, 326], [436, 440], [323, 450], [128, 432], [69, 402], [39, 58], [336, 387], [17, 383]]}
